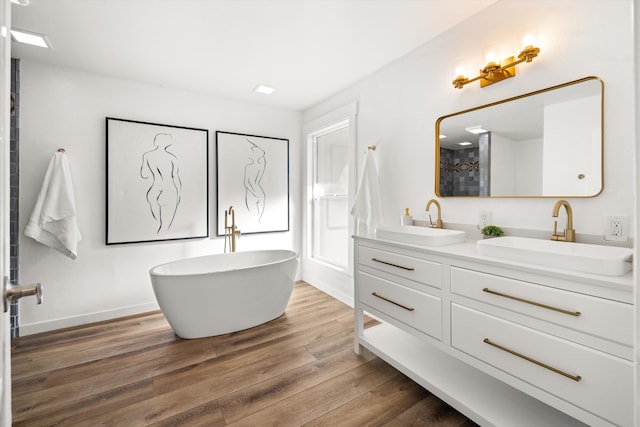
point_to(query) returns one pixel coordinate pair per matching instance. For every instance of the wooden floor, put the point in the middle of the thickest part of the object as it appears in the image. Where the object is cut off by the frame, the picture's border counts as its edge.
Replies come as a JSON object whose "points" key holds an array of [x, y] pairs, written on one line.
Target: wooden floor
{"points": [[299, 369]]}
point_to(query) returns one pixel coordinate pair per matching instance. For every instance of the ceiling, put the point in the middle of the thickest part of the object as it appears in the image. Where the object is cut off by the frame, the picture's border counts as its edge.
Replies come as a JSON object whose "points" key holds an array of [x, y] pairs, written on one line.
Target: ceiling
{"points": [[307, 49]]}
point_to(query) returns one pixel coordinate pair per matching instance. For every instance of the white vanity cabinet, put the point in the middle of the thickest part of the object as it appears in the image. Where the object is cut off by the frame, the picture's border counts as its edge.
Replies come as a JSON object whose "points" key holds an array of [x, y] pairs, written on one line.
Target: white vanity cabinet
{"points": [[503, 345], [403, 289]]}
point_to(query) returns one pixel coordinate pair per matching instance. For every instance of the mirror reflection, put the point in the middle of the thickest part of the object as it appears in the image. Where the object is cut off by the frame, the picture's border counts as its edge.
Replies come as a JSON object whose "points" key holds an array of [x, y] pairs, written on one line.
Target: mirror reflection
{"points": [[546, 143]]}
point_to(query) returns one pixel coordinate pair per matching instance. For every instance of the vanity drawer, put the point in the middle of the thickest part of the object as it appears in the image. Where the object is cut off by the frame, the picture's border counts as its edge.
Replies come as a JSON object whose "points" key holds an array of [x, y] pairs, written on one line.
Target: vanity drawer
{"points": [[416, 309], [420, 270], [600, 317], [594, 381]]}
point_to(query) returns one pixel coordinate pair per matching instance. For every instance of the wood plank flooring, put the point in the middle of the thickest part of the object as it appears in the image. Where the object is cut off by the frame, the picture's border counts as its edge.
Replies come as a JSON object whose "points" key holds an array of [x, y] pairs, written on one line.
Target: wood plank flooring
{"points": [[297, 370]]}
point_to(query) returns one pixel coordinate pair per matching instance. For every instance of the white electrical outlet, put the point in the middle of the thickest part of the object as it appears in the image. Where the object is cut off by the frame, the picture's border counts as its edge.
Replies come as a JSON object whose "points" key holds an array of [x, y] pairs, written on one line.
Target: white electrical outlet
{"points": [[616, 228], [484, 219]]}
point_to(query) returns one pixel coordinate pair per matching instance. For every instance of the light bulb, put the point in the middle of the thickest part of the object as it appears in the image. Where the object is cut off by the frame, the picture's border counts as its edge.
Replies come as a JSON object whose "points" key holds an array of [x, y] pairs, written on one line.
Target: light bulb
{"points": [[528, 40]]}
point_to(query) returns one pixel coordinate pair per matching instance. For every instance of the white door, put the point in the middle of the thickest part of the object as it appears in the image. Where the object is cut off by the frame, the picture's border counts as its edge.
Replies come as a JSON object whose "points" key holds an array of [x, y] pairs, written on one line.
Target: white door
{"points": [[329, 236], [5, 89]]}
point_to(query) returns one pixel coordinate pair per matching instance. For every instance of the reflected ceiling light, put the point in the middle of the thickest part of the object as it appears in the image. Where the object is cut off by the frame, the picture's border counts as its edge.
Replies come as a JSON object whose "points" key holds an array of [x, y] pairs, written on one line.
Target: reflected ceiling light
{"points": [[21, 2], [30, 38], [443, 136], [464, 143], [476, 129], [495, 71], [267, 90]]}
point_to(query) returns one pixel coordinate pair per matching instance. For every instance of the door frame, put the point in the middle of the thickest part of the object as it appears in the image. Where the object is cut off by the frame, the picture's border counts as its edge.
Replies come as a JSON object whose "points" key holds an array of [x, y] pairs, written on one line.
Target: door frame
{"points": [[330, 279], [5, 123]]}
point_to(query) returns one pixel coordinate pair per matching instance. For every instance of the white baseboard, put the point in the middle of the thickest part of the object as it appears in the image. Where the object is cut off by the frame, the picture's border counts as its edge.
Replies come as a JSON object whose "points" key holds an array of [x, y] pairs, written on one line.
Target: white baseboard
{"points": [[84, 319], [332, 291], [329, 279]]}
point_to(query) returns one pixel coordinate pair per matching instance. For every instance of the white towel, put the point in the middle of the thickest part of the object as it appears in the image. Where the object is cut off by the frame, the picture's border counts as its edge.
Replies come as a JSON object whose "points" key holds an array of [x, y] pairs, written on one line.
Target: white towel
{"points": [[367, 207], [53, 220]]}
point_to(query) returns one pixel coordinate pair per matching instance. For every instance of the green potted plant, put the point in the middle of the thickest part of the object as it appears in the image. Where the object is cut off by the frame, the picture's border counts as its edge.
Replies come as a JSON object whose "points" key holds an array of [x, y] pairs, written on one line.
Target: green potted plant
{"points": [[491, 231]]}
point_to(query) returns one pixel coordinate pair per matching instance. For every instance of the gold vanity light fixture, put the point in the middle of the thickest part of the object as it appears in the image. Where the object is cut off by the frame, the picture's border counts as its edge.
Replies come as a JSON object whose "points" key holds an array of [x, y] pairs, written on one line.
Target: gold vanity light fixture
{"points": [[494, 71]]}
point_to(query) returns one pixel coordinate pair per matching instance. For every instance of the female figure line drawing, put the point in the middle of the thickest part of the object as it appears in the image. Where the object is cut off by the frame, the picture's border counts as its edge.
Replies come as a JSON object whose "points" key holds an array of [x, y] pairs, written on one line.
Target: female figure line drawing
{"points": [[255, 196], [161, 167]]}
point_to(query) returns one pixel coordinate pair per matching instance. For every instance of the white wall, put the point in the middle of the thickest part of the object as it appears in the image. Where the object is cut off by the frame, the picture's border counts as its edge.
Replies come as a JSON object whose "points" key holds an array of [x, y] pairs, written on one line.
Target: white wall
{"points": [[67, 108], [564, 156], [529, 174], [399, 105], [504, 165], [509, 173]]}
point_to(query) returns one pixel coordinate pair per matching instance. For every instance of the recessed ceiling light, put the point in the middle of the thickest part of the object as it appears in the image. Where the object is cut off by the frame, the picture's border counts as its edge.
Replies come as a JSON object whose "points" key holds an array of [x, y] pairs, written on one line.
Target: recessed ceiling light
{"points": [[28, 37], [476, 129], [21, 2], [267, 90], [464, 143]]}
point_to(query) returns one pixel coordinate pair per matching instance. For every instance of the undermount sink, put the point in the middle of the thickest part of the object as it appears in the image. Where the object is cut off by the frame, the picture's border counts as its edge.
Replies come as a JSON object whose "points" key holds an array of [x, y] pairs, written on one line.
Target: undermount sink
{"points": [[424, 236], [606, 260]]}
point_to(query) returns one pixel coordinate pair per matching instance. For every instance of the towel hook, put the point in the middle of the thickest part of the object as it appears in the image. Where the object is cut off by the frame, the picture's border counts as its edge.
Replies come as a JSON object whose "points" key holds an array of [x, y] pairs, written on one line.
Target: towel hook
{"points": [[61, 150], [372, 147]]}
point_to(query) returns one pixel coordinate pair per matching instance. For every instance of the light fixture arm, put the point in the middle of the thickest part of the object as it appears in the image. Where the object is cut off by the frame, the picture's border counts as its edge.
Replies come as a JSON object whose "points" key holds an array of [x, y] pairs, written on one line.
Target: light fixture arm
{"points": [[493, 73]]}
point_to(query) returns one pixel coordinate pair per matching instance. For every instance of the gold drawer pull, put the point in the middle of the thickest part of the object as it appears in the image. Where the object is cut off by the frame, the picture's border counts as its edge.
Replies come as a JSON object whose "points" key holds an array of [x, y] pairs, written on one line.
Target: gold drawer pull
{"points": [[537, 304], [551, 368], [392, 265], [375, 294]]}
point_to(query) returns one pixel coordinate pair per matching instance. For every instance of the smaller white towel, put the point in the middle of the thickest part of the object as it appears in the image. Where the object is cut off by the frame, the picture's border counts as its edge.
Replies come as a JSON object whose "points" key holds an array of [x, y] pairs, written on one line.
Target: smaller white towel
{"points": [[367, 207], [53, 220]]}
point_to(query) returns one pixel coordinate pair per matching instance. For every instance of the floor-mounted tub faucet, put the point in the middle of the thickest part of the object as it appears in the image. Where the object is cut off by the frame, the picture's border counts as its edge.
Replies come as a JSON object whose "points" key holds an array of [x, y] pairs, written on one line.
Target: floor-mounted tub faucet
{"points": [[231, 232], [569, 233], [438, 223]]}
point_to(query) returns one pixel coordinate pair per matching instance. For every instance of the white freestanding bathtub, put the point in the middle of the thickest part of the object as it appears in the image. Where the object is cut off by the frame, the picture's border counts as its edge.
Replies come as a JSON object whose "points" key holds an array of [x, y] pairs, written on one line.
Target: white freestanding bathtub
{"points": [[218, 294]]}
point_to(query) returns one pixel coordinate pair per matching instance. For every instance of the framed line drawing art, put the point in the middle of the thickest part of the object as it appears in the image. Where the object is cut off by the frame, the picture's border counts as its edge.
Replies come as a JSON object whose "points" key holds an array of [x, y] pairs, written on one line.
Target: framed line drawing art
{"points": [[253, 177], [157, 183]]}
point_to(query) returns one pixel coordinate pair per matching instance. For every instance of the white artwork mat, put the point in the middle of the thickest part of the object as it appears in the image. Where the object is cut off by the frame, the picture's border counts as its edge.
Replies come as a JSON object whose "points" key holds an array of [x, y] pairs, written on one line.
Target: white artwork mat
{"points": [[157, 182], [253, 177]]}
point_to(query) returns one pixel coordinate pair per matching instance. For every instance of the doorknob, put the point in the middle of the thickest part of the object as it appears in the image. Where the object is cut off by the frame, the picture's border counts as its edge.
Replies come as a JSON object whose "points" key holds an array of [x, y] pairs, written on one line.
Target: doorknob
{"points": [[16, 292]]}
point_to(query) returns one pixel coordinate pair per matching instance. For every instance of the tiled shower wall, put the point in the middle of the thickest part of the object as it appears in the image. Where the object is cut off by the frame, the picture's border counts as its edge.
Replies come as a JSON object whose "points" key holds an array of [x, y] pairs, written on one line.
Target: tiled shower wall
{"points": [[446, 177], [460, 172], [13, 183]]}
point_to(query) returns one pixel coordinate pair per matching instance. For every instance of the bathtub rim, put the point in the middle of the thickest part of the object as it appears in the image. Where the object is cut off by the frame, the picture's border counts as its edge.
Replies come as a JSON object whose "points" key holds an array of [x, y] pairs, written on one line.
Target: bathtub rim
{"points": [[292, 255]]}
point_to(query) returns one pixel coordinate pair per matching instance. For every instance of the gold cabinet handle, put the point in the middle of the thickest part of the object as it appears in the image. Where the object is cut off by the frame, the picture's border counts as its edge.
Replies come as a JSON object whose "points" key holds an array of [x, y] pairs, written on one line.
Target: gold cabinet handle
{"points": [[528, 359], [392, 265], [375, 294], [537, 304]]}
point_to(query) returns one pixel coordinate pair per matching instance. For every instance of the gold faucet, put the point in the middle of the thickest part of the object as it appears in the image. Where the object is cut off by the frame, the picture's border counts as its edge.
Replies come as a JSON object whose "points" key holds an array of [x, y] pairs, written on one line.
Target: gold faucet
{"points": [[569, 233], [438, 223], [231, 232]]}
